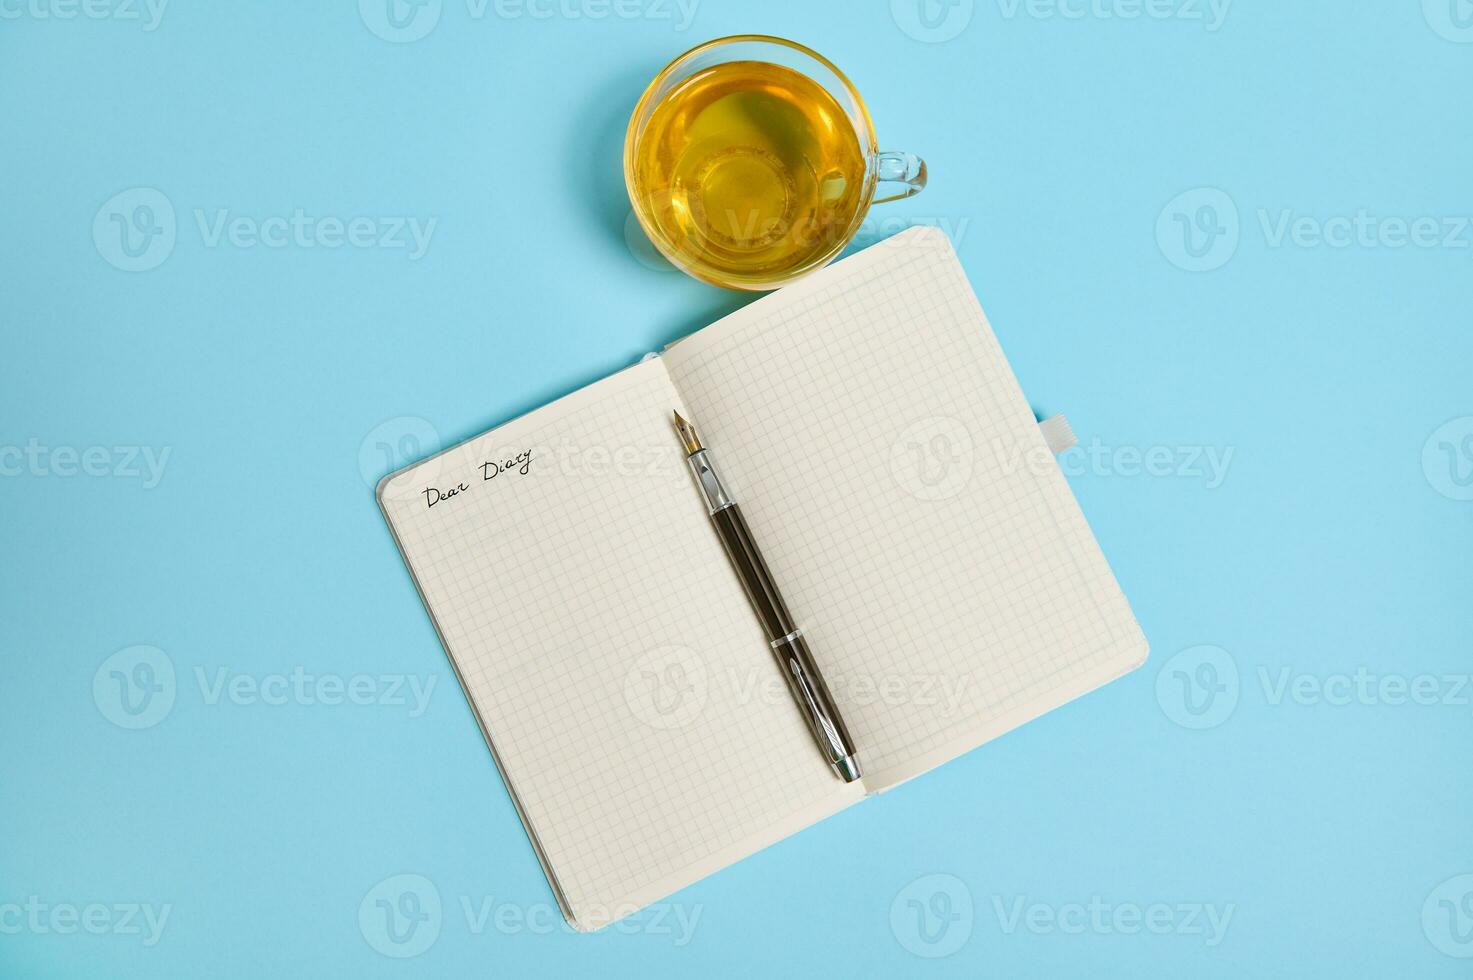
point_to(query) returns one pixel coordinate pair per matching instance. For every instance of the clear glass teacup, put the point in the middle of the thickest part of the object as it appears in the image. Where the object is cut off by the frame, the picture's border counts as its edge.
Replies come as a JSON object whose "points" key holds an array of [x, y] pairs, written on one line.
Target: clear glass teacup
{"points": [[751, 161]]}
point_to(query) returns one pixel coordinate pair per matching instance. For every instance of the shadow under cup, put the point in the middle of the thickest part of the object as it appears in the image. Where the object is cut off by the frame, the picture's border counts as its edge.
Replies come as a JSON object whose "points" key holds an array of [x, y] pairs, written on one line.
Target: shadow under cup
{"points": [[751, 161]]}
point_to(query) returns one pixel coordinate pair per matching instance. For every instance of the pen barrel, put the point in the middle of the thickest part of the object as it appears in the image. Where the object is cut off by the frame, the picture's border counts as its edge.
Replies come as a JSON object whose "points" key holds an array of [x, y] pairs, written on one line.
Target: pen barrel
{"points": [[819, 711], [788, 646], [751, 568]]}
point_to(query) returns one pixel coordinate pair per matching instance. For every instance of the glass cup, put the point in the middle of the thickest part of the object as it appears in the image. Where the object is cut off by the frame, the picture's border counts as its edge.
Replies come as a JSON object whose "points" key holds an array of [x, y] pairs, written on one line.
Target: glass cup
{"points": [[665, 207]]}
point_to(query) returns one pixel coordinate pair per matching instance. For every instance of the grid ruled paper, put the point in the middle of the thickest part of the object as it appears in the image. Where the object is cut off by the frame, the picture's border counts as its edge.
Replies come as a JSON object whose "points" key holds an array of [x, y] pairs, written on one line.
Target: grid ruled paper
{"points": [[877, 441], [607, 648], [870, 427]]}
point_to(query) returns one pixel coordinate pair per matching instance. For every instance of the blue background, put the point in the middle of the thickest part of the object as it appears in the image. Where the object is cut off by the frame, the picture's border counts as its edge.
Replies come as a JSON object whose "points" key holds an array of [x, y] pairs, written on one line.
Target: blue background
{"points": [[1058, 147]]}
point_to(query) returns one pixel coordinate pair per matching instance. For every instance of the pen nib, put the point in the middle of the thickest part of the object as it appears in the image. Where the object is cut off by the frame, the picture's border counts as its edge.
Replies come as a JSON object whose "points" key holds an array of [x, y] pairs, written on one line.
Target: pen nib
{"points": [[688, 436]]}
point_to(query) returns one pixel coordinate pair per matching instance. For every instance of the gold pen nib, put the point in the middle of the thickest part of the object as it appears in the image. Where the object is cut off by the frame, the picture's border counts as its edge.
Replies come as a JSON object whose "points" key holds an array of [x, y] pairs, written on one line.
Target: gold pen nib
{"points": [[688, 435]]}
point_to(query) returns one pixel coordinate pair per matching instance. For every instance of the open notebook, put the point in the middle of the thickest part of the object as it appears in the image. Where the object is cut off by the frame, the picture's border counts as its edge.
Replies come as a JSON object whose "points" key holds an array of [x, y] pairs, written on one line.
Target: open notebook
{"points": [[898, 484]]}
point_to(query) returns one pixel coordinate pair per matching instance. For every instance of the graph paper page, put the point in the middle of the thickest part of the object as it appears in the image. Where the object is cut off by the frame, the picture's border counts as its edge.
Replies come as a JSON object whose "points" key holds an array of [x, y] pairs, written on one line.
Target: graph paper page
{"points": [[892, 471], [622, 681]]}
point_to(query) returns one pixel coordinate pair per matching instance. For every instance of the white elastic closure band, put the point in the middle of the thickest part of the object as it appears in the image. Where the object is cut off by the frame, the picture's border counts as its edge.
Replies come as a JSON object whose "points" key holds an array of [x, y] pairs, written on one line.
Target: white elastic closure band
{"points": [[1057, 434]]}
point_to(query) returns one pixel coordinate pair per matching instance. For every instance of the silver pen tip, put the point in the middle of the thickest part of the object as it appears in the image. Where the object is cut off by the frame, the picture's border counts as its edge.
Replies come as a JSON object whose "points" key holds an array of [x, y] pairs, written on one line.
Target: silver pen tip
{"points": [[847, 768], [688, 435]]}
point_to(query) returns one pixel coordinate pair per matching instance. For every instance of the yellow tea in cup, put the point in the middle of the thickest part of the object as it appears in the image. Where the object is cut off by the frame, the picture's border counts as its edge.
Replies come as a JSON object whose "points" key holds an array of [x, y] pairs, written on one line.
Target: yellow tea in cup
{"points": [[749, 169], [748, 172]]}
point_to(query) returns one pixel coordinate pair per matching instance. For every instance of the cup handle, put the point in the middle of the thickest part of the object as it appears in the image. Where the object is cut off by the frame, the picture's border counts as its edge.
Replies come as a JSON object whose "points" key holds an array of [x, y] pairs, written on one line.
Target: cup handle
{"points": [[900, 168]]}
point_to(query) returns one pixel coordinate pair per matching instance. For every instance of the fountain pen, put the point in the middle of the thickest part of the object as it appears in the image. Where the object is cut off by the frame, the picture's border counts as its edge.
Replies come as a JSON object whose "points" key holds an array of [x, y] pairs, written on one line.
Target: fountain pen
{"points": [[783, 634]]}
